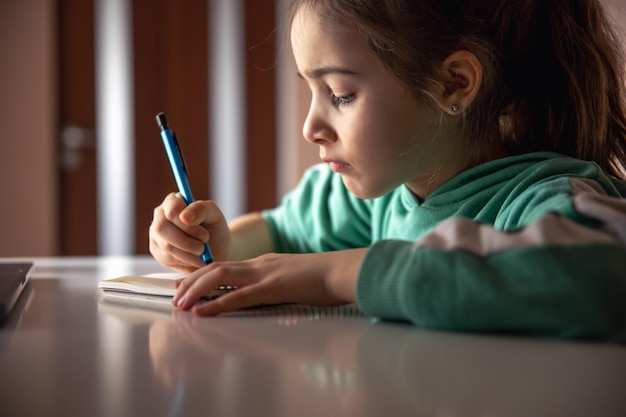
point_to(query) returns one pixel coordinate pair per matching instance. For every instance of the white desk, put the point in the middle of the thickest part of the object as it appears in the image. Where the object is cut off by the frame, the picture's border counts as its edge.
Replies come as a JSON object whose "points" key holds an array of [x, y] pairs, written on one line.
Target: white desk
{"points": [[65, 352]]}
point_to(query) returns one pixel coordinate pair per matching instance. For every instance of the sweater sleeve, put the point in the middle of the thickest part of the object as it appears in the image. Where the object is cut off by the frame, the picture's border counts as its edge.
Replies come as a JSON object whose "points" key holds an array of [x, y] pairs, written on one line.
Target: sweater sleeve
{"points": [[556, 276]]}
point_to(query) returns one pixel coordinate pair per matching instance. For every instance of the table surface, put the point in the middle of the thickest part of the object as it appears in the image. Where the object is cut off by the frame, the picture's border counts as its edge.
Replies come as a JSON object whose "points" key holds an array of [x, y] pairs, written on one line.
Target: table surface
{"points": [[67, 351]]}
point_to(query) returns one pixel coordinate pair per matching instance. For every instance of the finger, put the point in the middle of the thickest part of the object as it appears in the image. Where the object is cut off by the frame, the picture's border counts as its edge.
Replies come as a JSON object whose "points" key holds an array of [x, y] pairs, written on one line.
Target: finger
{"points": [[170, 211], [186, 293], [166, 260], [182, 285], [201, 212], [169, 255], [166, 235], [172, 206], [249, 296], [174, 210], [207, 279]]}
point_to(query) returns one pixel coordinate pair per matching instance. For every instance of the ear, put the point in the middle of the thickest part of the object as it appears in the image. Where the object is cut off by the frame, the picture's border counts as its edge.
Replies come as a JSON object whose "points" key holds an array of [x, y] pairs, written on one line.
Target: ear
{"points": [[461, 76]]}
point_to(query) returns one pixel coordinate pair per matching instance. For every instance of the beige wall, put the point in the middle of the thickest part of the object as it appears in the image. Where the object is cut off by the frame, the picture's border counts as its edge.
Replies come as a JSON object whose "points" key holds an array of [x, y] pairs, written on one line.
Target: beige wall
{"points": [[27, 122]]}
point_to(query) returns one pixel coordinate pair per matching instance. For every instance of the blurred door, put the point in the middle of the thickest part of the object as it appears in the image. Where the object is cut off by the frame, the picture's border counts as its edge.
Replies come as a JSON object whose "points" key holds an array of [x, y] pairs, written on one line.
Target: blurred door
{"points": [[171, 73], [77, 152]]}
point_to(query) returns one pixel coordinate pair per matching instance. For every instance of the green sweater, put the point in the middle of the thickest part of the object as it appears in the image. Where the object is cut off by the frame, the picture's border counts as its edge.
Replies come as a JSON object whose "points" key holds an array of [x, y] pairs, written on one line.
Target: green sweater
{"points": [[525, 244]]}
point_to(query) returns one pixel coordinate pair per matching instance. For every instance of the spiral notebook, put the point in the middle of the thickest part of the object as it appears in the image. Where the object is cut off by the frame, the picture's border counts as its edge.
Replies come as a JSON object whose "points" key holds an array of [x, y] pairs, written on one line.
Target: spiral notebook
{"points": [[155, 292], [156, 288]]}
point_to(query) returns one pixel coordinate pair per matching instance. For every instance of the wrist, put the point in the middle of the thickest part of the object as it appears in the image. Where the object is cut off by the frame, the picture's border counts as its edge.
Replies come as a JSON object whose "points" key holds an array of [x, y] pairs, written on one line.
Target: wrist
{"points": [[250, 237], [345, 273]]}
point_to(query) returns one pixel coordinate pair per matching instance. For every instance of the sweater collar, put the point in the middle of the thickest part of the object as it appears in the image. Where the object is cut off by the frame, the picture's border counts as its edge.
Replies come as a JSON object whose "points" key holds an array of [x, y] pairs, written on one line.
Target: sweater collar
{"points": [[476, 179]]}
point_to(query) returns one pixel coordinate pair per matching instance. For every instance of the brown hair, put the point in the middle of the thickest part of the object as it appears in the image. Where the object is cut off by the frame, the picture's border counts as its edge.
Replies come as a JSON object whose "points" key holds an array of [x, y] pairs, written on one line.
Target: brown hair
{"points": [[553, 69]]}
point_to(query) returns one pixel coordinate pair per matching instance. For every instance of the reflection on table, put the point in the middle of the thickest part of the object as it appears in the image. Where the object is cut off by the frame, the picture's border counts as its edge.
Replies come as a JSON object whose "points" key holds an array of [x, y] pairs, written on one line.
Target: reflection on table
{"points": [[70, 352]]}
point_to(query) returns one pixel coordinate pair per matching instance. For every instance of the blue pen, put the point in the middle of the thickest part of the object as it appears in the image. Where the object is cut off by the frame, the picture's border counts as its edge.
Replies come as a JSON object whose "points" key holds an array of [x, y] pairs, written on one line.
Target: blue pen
{"points": [[179, 170]]}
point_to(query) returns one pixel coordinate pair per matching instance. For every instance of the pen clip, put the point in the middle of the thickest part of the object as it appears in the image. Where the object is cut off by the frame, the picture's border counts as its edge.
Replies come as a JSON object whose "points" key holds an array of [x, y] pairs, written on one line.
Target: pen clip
{"points": [[180, 153]]}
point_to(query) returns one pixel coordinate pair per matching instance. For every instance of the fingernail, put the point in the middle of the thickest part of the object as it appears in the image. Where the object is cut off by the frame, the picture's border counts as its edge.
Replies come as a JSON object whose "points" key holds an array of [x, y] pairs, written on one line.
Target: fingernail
{"points": [[187, 217], [182, 303], [191, 216]]}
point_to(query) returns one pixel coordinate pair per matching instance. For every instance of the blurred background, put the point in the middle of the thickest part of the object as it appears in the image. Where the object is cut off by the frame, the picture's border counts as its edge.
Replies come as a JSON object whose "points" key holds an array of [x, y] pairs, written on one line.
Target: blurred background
{"points": [[82, 165], [81, 161]]}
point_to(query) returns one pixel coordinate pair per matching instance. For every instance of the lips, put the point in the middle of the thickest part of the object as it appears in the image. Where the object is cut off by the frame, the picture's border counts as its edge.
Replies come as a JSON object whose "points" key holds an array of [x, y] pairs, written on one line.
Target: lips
{"points": [[336, 165]]}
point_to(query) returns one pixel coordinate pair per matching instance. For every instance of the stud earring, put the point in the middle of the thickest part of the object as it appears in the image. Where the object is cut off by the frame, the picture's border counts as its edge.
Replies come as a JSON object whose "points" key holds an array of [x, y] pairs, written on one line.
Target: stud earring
{"points": [[456, 107]]}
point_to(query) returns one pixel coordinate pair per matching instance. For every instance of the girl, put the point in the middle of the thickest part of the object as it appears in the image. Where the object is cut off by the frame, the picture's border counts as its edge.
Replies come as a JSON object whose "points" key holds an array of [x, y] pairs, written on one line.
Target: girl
{"points": [[472, 151]]}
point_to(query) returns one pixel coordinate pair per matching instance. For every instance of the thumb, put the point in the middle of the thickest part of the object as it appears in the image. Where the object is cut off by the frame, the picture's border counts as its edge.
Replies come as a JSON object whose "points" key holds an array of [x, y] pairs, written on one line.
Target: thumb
{"points": [[202, 212]]}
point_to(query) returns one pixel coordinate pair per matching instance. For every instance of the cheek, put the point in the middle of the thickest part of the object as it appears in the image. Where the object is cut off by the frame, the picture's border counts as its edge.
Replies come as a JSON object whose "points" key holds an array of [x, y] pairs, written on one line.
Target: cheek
{"points": [[387, 128], [377, 142], [393, 137], [410, 128], [397, 115]]}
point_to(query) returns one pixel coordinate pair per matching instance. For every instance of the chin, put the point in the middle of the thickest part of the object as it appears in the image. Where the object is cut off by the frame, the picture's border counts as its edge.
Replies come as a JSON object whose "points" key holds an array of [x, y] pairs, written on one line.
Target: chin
{"points": [[362, 191]]}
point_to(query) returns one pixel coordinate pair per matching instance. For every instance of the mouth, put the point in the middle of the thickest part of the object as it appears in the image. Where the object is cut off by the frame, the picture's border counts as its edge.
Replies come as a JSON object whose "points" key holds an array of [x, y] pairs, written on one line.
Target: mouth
{"points": [[336, 165]]}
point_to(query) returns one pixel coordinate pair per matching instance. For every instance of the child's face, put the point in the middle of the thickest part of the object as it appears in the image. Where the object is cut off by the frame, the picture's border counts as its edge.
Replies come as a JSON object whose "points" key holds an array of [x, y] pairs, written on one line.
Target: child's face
{"points": [[370, 128]]}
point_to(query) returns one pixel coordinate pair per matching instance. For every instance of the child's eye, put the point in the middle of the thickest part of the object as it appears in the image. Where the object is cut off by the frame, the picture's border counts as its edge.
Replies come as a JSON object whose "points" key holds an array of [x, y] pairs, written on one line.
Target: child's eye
{"points": [[343, 100]]}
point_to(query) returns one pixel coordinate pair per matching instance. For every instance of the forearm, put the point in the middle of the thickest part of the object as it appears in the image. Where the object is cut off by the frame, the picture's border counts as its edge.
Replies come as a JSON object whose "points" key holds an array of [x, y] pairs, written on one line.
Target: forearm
{"points": [[561, 291], [250, 237]]}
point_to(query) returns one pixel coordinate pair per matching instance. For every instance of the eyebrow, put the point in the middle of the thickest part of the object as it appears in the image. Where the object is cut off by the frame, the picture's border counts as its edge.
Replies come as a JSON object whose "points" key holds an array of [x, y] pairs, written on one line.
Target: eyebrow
{"points": [[320, 72]]}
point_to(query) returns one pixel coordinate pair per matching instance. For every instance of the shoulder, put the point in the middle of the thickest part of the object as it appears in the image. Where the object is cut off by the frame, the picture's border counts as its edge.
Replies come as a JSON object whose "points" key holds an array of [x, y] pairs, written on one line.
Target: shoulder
{"points": [[559, 184], [571, 176]]}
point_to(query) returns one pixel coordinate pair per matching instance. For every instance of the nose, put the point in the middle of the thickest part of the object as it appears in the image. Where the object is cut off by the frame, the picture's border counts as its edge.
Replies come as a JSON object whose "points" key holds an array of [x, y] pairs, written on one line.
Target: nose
{"points": [[316, 128]]}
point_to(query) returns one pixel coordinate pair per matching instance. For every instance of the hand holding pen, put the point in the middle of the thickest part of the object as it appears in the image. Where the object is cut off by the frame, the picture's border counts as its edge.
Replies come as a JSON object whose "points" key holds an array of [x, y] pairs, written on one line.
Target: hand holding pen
{"points": [[177, 163]]}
